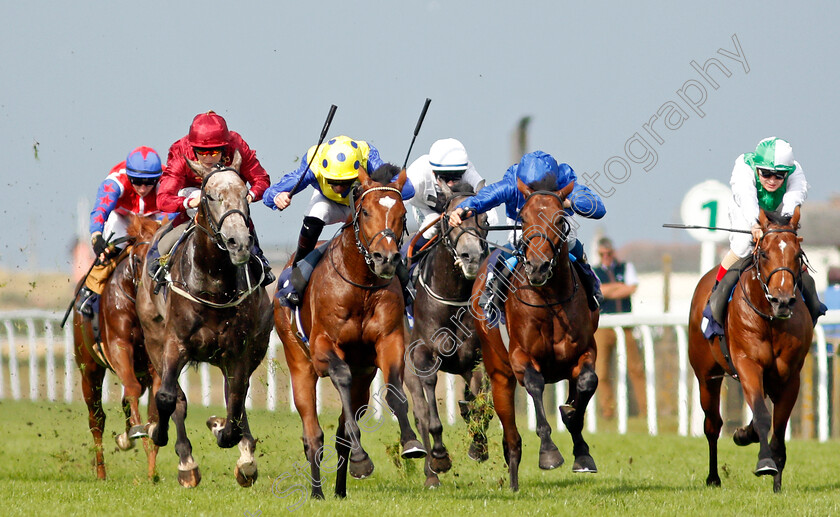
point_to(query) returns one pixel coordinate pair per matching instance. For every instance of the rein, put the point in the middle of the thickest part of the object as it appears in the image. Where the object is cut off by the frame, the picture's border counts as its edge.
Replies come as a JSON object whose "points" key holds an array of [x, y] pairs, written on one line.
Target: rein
{"points": [[797, 277]]}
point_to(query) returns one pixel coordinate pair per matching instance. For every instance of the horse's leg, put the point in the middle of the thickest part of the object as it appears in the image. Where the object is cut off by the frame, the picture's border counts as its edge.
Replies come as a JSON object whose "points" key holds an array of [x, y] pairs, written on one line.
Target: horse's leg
{"points": [[550, 457], [782, 407], [421, 418], [582, 387], [477, 418], [438, 458], [123, 362], [390, 359], [188, 474], [503, 387], [360, 465], [228, 431], [246, 466], [752, 382], [153, 418], [92, 377], [712, 424], [304, 380], [167, 396]]}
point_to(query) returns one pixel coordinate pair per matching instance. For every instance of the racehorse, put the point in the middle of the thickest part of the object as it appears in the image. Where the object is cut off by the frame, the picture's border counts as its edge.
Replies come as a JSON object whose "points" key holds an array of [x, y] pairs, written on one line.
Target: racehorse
{"points": [[769, 335], [443, 337], [212, 310], [352, 311], [122, 350], [551, 334]]}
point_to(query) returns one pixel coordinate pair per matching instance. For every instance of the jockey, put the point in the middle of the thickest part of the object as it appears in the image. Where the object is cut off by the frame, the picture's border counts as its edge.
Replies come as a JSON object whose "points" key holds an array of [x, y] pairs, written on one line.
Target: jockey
{"points": [[334, 171], [130, 188], [772, 180], [448, 162], [211, 143], [540, 171]]}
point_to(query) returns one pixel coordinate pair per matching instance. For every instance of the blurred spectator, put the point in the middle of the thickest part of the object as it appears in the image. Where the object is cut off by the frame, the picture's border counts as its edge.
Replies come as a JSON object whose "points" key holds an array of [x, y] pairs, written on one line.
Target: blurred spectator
{"points": [[618, 283], [832, 301]]}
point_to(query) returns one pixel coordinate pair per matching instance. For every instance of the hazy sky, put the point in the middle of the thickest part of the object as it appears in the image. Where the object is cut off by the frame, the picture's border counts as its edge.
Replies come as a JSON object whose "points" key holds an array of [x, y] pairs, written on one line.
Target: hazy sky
{"points": [[85, 82]]}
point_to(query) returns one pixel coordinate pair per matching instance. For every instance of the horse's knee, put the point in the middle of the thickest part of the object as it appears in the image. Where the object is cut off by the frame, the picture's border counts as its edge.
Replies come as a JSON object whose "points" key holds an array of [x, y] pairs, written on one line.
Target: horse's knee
{"points": [[165, 402], [587, 381]]}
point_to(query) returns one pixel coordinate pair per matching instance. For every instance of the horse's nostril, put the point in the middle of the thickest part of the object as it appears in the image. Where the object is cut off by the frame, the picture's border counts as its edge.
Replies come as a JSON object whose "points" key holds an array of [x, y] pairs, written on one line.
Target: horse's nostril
{"points": [[396, 258], [377, 256]]}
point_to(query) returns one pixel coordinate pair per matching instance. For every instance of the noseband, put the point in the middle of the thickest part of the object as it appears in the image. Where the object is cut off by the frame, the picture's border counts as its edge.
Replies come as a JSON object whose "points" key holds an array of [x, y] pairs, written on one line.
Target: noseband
{"points": [[452, 245], [797, 276], [361, 242], [525, 240], [215, 230]]}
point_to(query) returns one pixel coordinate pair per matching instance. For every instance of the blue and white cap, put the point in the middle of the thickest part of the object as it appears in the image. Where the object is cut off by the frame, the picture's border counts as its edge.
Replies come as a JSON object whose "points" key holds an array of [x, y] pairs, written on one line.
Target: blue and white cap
{"points": [[448, 155]]}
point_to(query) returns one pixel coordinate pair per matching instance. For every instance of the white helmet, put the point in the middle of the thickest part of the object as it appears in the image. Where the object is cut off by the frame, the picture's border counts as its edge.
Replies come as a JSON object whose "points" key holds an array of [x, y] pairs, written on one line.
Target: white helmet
{"points": [[448, 155]]}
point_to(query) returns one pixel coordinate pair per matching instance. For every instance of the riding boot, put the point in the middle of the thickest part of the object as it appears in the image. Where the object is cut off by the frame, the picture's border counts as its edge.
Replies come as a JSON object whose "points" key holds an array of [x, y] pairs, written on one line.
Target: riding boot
{"points": [[153, 259], [812, 300], [591, 284], [493, 296], [715, 312], [85, 302], [309, 233], [408, 290], [268, 276]]}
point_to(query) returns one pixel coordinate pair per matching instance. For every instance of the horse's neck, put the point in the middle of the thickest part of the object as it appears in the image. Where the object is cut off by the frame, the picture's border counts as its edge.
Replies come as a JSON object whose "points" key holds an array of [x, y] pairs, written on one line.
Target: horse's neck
{"points": [[351, 262], [563, 280], [207, 263]]}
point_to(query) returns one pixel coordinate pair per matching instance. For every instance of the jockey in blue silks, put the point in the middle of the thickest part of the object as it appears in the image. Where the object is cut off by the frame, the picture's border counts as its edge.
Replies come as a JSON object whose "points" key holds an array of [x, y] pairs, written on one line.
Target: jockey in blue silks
{"points": [[540, 171]]}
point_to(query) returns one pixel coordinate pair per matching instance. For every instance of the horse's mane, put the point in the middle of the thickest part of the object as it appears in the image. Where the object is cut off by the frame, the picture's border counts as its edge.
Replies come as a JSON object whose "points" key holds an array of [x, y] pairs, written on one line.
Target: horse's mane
{"points": [[384, 173], [462, 187], [777, 218], [142, 228]]}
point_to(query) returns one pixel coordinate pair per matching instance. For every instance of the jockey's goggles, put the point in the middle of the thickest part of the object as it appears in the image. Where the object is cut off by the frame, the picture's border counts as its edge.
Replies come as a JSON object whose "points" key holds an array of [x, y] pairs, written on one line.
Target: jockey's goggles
{"points": [[450, 175], [143, 181], [341, 183], [771, 173], [207, 152]]}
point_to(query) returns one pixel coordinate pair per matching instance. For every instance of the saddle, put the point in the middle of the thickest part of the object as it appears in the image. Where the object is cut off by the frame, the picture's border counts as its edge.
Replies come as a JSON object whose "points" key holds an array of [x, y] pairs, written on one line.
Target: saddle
{"points": [[293, 280]]}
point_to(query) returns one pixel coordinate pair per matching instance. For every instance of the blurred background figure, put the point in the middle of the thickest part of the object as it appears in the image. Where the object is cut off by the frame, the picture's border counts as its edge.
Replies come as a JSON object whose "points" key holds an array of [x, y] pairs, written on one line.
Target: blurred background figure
{"points": [[618, 283]]}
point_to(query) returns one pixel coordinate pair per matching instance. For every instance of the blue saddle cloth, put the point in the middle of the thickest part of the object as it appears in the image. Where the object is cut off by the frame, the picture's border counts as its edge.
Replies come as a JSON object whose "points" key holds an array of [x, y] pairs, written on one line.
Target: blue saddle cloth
{"points": [[306, 266]]}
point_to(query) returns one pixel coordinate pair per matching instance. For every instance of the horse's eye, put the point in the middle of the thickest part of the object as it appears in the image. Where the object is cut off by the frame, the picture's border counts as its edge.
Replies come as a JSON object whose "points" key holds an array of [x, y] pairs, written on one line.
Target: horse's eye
{"points": [[364, 212], [209, 197], [762, 254]]}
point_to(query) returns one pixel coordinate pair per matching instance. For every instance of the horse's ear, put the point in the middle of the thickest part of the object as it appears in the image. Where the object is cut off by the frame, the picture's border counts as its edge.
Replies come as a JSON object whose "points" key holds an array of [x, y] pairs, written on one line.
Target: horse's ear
{"points": [[363, 175], [565, 191], [794, 220], [762, 218], [196, 166], [444, 189], [236, 163], [401, 179], [525, 189]]}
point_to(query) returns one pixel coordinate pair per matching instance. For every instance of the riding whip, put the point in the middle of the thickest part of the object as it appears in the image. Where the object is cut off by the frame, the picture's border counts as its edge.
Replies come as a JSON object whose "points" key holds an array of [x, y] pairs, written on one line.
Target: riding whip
{"points": [[315, 152], [695, 227], [417, 130]]}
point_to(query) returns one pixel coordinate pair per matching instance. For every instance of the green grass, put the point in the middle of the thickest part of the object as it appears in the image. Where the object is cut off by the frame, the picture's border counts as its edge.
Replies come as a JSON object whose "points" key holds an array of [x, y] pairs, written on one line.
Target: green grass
{"points": [[45, 469]]}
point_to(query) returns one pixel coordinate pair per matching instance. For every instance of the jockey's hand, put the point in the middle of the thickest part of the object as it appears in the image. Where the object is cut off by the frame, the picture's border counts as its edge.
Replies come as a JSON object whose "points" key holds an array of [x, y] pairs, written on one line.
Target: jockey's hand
{"points": [[194, 202], [455, 217], [567, 203], [99, 244], [756, 232], [282, 200], [249, 198]]}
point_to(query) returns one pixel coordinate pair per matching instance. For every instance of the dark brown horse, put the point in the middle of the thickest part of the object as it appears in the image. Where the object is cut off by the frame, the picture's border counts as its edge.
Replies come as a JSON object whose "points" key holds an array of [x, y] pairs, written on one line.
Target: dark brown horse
{"points": [[444, 335], [352, 311], [122, 350], [213, 310], [768, 334], [551, 331]]}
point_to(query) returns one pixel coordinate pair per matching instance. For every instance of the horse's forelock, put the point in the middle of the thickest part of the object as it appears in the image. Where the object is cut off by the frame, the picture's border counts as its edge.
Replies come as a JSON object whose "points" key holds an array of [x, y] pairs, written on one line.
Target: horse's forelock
{"points": [[776, 218], [142, 228]]}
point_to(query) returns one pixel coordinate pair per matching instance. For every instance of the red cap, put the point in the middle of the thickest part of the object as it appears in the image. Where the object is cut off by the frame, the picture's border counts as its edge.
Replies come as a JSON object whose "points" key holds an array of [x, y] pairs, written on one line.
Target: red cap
{"points": [[208, 130]]}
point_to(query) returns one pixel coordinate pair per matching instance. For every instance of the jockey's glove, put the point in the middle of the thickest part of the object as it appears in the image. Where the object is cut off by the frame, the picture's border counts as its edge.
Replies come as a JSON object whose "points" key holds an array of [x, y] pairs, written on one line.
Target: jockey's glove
{"points": [[99, 244]]}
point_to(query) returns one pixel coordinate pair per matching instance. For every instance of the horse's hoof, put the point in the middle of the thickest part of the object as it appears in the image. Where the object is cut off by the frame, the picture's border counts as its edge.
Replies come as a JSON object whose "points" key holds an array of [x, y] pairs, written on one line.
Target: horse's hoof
{"points": [[246, 473], [362, 468], [744, 436], [551, 459], [413, 449], [432, 482], [584, 464], [766, 467], [478, 452], [137, 431], [216, 424], [124, 442], [712, 481], [189, 478], [440, 464]]}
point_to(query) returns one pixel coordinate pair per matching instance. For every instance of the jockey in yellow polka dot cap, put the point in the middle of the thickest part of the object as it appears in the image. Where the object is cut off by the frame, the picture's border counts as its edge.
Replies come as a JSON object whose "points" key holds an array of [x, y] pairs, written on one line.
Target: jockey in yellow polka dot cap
{"points": [[334, 171]]}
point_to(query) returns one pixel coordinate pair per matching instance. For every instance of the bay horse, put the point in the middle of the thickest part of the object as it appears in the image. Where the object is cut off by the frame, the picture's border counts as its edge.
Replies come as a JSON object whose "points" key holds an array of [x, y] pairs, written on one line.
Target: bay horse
{"points": [[122, 351], [213, 310], [443, 337], [352, 311], [769, 335], [551, 334]]}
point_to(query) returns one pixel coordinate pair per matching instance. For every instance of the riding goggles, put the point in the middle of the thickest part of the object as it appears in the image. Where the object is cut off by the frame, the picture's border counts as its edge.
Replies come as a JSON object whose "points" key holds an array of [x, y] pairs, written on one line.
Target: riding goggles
{"points": [[450, 175], [207, 152], [771, 173], [341, 183], [143, 181]]}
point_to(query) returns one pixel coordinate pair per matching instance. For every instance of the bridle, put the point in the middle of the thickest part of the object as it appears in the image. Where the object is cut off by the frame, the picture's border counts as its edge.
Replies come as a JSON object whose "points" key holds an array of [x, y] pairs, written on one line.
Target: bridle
{"points": [[362, 243], [762, 281], [215, 230], [525, 240]]}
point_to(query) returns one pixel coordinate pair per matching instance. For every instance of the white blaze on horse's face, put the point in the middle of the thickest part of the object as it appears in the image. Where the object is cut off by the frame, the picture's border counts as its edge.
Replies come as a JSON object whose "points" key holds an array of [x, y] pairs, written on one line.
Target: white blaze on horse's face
{"points": [[226, 198], [388, 203]]}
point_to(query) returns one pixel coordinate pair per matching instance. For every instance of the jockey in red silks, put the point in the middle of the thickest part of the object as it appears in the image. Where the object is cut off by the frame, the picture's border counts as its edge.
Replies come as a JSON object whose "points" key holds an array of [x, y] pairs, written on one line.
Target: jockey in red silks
{"points": [[210, 143], [130, 188]]}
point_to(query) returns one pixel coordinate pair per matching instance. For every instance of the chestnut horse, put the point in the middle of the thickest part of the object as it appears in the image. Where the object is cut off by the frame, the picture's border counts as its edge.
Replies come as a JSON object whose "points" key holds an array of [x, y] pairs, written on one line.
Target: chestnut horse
{"points": [[769, 335], [551, 331], [444, 338], [213, 310], [122, 350], [353, 312]]}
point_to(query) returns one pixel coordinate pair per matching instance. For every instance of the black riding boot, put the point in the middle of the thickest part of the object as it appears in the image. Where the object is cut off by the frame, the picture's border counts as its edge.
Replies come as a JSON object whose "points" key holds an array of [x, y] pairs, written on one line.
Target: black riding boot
{"points": [[591, 284], [86, 300], [493, 297], [309, 233], [715, 310], [812, 300], [408, 290]]}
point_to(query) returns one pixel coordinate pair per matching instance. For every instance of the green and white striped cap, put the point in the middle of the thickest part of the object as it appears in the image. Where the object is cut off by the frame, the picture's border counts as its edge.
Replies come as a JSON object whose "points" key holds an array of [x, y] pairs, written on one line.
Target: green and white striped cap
{"points": [[772, 153]]}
